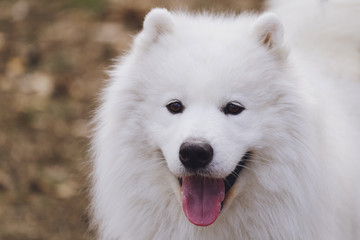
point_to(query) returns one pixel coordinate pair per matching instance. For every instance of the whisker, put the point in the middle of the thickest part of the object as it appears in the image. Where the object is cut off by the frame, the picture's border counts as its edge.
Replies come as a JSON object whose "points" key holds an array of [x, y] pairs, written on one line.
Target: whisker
{"points": [[252, 170], [259, 162], [261, 158]]}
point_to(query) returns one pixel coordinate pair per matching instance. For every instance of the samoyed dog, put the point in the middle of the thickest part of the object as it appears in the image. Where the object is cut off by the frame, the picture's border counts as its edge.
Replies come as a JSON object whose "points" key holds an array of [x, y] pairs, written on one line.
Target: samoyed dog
{"points": [[233, 127]]}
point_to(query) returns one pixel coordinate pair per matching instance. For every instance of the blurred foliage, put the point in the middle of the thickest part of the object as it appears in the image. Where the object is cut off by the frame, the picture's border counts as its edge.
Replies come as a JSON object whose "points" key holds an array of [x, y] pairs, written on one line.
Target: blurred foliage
{"points": [[53, 55], [93, 5]]}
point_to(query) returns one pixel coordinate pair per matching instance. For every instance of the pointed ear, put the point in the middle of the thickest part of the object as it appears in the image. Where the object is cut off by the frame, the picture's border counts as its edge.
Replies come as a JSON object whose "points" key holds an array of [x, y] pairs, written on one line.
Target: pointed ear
{"points": [[268, 30], [157, 22]]}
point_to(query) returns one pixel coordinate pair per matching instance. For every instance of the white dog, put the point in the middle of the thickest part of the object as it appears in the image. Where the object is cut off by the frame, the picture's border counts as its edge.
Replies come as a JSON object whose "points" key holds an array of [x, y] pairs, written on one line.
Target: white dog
{"points": [[224, 127]]}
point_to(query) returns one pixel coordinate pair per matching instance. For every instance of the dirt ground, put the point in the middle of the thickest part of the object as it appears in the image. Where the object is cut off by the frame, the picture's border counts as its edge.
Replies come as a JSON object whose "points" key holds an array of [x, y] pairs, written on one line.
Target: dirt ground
{"points": [[53, 58]]}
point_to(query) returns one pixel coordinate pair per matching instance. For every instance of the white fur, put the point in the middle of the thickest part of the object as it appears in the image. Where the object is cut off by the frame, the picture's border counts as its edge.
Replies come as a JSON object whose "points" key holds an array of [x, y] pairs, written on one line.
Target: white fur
{"points": [[301, 122]]}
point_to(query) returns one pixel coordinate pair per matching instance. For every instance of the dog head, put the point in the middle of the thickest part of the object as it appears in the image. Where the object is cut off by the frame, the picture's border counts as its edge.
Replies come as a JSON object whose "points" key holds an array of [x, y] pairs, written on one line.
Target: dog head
{"points": [[212, 92]]}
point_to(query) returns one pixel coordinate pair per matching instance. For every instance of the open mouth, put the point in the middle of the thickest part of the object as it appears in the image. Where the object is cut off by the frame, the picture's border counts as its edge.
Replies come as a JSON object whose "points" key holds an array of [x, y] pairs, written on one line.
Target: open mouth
{"points": [[203, 197]]}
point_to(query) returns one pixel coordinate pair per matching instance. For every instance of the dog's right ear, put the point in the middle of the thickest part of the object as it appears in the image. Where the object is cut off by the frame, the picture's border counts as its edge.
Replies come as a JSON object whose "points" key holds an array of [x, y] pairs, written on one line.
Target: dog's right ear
{"points": [[269, 31], [158, 21]]}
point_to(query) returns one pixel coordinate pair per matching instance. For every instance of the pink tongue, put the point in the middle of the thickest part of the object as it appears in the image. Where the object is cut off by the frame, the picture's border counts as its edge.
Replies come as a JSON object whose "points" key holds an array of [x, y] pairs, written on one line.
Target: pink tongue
{"points": [[201, 198]]}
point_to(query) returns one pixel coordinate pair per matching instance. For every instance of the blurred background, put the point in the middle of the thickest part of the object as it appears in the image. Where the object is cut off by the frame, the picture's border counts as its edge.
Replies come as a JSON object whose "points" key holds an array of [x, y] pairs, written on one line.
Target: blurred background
{"points": [[53, 58]]}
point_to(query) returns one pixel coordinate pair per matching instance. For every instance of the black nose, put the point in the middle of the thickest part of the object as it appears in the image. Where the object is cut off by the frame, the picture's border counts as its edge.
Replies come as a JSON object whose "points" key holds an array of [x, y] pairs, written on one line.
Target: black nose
{"points": [[195, 155]]}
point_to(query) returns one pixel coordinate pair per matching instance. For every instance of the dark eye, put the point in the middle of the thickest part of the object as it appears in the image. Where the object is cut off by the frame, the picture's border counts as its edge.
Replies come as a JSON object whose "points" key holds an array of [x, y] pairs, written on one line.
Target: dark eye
{"points": [[233, 108], [175, 107]]}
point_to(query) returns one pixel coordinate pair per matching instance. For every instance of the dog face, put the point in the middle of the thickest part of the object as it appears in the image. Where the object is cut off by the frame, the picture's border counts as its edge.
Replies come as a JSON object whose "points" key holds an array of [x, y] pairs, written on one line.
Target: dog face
{"points": [[201, 136]]}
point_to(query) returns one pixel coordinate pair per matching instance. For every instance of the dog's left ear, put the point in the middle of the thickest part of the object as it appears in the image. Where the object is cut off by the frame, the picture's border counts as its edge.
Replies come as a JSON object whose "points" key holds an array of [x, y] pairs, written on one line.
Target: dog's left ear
{"points": [[268, 30], [158, 22]]}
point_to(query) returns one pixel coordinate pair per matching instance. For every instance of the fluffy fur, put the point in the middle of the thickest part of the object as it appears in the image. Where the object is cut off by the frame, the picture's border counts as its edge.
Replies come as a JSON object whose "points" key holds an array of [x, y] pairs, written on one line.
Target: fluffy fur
{"points": [[301, 123]]}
